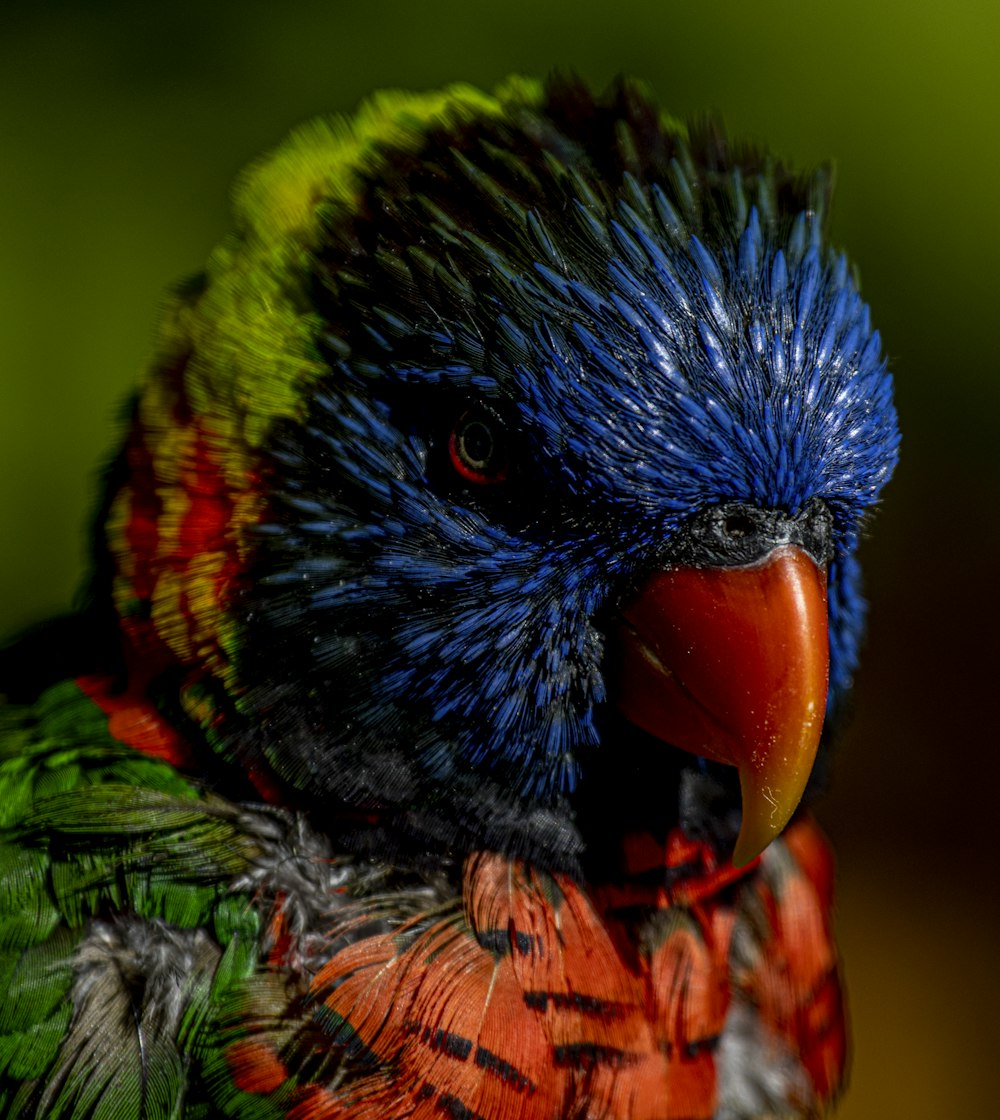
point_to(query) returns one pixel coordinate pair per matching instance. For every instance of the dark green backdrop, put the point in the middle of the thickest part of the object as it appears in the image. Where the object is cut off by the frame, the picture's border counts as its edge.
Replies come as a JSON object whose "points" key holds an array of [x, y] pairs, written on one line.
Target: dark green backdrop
{"points": [[121, 127]]}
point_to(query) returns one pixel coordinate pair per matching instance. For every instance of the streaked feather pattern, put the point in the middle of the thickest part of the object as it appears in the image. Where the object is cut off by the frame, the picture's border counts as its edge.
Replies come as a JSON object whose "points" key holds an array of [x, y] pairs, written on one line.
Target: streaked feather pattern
{"points": [[526, 1000]]}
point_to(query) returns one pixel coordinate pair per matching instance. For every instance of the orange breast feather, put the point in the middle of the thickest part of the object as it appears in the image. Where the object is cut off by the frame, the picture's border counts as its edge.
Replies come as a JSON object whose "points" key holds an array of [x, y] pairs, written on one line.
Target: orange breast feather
{"points": [[537, 998]]}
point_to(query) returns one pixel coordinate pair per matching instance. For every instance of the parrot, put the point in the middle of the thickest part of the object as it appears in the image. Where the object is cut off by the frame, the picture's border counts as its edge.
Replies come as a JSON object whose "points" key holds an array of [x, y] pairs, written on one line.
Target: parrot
{"points": [[474, 598]]}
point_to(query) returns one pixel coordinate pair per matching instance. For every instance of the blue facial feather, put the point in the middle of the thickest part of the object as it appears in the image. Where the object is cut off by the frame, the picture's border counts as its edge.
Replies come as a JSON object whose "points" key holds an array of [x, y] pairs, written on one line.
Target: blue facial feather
{"points": [[643, 365]]}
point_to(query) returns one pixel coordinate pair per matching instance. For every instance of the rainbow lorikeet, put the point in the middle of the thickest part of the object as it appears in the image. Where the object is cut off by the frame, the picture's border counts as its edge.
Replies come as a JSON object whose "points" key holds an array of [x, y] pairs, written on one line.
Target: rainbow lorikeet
{"points": [[469, 595]]}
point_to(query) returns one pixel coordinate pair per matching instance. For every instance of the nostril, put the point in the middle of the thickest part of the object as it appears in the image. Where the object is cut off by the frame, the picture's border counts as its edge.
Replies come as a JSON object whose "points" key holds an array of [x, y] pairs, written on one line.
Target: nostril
{"points": [[737, 526]]}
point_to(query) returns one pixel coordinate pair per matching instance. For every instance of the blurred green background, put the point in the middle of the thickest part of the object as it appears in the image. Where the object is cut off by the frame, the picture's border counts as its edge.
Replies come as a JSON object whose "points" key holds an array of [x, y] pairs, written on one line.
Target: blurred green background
{"points": [[121, 128]]}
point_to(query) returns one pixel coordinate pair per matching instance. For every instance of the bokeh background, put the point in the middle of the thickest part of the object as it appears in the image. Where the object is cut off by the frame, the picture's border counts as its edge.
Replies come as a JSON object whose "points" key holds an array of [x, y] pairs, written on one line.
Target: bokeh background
{"points": [[121, 128]]}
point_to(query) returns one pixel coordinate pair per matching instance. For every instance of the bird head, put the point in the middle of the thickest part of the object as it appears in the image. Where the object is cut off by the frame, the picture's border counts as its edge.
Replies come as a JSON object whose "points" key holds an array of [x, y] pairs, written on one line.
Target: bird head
{"points": [[512, 440]]}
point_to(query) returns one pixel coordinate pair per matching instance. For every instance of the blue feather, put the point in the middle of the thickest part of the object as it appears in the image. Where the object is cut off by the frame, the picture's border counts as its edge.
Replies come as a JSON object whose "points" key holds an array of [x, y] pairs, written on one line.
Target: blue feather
{"points": [[644, 363]]}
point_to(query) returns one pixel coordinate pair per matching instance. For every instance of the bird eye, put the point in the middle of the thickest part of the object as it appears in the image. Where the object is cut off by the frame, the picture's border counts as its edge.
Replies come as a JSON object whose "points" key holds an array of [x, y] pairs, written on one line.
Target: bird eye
{"points": [[477, 447]]}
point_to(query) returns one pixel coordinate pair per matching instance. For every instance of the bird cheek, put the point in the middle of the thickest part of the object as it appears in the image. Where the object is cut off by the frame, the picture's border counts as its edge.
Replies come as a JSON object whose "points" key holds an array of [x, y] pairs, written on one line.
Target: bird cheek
{"points": [[732, 664]]}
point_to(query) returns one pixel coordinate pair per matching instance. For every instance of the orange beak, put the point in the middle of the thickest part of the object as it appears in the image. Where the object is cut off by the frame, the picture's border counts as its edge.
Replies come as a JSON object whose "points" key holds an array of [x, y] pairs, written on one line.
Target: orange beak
{"points": [[732, 664]]}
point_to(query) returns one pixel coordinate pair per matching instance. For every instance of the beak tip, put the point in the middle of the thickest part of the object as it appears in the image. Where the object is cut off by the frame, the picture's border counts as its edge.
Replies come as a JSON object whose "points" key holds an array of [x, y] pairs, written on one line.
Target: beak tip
{"points": [[748, 848], [767, 809]]}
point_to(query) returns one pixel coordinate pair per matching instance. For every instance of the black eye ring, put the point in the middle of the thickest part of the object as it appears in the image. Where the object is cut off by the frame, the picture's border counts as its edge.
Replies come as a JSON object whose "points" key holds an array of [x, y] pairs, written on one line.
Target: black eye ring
{"points": [[477, 447]]}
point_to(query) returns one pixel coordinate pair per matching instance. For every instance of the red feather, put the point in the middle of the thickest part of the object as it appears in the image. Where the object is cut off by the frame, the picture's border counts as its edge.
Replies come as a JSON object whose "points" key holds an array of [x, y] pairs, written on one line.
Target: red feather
{"points": [[537, 998]]}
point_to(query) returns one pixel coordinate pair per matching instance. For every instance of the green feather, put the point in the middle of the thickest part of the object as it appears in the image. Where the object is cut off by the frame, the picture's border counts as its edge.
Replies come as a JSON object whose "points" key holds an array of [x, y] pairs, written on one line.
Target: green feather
{"points": [[90, 829]]}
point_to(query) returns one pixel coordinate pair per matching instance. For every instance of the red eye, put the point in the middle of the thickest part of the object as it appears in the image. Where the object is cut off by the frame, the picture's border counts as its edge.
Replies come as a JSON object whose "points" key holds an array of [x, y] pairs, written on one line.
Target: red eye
{"points": [[477, 448]]}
